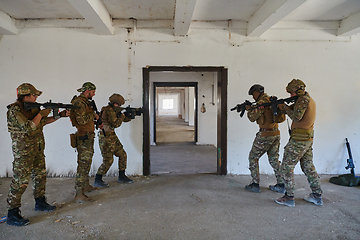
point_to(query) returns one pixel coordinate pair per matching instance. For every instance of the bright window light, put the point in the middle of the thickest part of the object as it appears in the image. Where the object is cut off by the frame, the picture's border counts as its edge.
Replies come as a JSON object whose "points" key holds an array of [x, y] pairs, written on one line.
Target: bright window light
{"points": [[168, 103]]}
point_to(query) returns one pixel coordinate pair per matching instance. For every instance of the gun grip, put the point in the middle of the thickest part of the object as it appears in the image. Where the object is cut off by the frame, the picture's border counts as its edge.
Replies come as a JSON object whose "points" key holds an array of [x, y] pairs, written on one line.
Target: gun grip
{"points": [[56, 113]]}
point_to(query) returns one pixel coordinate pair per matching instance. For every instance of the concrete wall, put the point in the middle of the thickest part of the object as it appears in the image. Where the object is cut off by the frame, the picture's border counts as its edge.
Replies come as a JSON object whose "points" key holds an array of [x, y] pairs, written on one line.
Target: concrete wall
{"points": [[58, 61]]}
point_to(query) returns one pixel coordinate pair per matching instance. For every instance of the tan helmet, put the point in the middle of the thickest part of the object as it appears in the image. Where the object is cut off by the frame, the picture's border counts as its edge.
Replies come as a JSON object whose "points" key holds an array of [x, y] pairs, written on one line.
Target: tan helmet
{"points": [[26, 89], [87, 86], [296, 86], [117, 98]]}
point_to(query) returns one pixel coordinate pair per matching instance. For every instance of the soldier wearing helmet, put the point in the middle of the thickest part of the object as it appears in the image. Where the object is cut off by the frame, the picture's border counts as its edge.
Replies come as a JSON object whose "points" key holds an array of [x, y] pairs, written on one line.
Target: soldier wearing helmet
{"points": [[267, 140], [109, 143], [28, 144], [299, 147], [82, 117]]}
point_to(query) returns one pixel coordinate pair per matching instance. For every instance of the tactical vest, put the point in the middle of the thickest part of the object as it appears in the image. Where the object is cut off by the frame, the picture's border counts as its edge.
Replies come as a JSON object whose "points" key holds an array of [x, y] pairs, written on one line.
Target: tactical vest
{"points": [[89, 126], [266, 121], [105, 120], [308, 120]]}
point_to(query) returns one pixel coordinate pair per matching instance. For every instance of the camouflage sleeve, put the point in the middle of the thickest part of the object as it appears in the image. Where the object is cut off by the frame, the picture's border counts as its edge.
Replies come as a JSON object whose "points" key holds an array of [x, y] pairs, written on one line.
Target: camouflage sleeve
{"points": [[113, 119], [80, 114], [18, 122], [297, 110], [255, 113]]}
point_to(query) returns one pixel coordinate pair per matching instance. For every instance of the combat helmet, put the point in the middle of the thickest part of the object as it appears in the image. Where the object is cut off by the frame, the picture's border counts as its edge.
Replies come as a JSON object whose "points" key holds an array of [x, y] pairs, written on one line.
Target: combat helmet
{"points": [[87, 86], [117, 98], [256, 87], [296, 86], [26, 89]]}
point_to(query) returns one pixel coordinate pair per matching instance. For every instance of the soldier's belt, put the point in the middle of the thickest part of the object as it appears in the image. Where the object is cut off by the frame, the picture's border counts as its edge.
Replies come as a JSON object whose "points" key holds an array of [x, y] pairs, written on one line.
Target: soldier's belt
{"points": [[299, 134], [268, 129], [82, 133]]}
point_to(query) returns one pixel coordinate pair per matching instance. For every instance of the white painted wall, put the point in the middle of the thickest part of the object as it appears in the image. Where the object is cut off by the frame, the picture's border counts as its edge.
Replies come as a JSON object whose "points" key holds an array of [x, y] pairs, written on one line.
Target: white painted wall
{"points": [[58, 61], [191, 106]]}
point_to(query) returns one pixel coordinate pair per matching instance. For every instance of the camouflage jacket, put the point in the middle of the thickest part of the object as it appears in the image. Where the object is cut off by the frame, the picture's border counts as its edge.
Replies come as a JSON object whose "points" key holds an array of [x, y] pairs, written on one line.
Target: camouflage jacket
{"points": [[24, 133], [112, 118], [83, 116]]}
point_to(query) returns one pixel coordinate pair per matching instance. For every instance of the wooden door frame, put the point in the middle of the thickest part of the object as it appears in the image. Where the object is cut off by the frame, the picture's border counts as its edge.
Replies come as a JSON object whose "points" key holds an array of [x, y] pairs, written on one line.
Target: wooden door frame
{"points": [[177, 84], [221, 112]]}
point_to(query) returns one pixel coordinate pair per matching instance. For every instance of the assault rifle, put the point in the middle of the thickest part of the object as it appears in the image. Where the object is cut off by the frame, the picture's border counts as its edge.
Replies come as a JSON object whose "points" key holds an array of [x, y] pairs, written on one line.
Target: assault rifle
{"points": [[274, 102], [132, 112], [242, 107], [49, 105], [350, 161], [99, 121]]}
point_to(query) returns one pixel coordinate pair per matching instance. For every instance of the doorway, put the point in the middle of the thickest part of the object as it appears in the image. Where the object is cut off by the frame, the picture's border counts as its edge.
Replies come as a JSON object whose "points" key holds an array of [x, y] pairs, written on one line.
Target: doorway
{"points": [[178, 115], [221, 100]]}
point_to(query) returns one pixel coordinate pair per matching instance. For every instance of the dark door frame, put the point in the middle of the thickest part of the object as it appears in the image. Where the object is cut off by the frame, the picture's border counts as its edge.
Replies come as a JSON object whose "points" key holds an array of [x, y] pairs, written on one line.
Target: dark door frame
{"points": [[222, 75], [177, 84]]}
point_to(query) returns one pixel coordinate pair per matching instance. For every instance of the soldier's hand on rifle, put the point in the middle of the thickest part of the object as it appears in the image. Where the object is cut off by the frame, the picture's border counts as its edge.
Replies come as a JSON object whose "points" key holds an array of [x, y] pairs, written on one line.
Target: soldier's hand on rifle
{"points": [[96, 116], [282, 106], [45, 112], [101, 126], [247, 107], [64, 113]]}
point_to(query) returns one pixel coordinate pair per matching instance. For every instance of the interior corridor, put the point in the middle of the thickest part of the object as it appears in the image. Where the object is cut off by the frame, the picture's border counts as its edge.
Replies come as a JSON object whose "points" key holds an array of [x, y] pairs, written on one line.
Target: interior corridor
{"points": [[176, 152]]}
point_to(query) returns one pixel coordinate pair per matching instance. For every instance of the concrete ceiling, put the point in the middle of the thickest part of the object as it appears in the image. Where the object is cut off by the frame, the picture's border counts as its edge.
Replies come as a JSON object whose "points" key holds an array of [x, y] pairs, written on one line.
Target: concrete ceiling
{"points": [[257, 15]]}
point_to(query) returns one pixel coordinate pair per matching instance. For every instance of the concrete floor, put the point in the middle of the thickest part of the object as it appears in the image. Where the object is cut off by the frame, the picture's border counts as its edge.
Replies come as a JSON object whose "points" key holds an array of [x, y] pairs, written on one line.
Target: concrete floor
{"points": [[171, 129], [173, 204], [195, 206], [175, 151]]}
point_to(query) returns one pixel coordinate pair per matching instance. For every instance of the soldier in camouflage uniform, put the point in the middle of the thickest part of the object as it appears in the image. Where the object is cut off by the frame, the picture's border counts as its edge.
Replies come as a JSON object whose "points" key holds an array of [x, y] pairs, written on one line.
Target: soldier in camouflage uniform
{"points": [[299, 147], [267, 140], [109, 144], [82, 117], [28, 144]]}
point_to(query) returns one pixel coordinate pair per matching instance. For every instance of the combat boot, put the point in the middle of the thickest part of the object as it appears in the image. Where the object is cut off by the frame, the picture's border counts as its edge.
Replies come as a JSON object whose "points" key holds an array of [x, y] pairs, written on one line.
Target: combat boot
{"points": [[254, 187], [42, 205], [15, 219], [279, 187], [99, 182], [90, 188], [80, 197], [314, 198], [123, 178], [286, 200]]}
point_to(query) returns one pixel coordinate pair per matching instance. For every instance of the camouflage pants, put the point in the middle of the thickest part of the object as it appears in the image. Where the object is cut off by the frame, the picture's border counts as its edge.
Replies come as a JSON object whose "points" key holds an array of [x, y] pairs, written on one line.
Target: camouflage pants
{"points": [[25, 166], [262, 145], [85, 149], [110, 146], [296, 151]]}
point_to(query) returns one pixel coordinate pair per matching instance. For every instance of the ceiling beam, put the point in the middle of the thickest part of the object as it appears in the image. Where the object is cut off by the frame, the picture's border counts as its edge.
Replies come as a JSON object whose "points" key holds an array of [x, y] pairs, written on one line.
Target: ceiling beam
{"points": [[350, 25], [183, 15], [270, 13], [96, 14], [7, 25]]}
